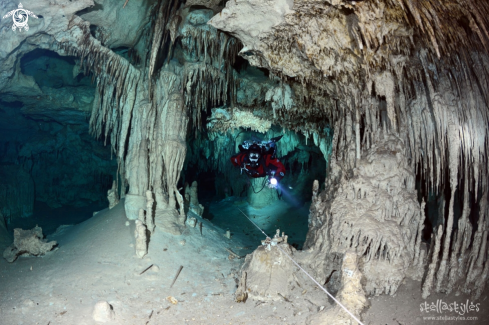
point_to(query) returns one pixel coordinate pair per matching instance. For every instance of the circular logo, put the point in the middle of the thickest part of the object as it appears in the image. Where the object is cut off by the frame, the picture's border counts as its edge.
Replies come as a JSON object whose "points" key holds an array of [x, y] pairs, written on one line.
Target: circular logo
{"points": [[20, 17]]}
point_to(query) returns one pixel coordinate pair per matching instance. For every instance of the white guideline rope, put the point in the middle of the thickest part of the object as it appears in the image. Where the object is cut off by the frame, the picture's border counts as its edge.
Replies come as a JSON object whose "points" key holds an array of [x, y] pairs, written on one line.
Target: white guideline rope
{"points": [[317, 283]]}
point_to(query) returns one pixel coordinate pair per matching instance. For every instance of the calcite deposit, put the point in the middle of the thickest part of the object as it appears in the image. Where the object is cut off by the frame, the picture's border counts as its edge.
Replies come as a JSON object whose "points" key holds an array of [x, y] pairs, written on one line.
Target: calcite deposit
{"points": [[372, 210], [268, 273]]}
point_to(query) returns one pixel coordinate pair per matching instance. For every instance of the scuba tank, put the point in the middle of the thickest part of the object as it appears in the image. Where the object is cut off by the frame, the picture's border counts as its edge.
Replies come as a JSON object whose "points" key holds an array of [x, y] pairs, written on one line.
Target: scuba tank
{"points": [[272, 146], [267, 147]]}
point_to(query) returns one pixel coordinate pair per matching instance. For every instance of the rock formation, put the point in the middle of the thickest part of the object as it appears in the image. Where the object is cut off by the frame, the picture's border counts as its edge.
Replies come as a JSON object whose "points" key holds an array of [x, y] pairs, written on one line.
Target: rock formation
{"points": [[140, 235], [28, 243], [267, 273], [103, 312], [351, 296], [195, 206], [112, 195], [372, 210]]}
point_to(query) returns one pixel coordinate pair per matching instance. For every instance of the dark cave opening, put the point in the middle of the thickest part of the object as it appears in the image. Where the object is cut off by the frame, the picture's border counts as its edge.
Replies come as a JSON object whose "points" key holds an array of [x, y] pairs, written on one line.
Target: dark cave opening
{"points": [[64, 171], [52, 70]]}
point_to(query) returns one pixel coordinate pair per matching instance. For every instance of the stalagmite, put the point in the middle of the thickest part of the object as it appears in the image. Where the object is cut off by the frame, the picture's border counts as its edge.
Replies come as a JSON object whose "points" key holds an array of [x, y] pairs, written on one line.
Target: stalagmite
{"points": [[374, 211], [351, 295], [113, 196], [241, 295], [413, 72], [419, 253], [480, 283], [195, 206], [140, 236]]}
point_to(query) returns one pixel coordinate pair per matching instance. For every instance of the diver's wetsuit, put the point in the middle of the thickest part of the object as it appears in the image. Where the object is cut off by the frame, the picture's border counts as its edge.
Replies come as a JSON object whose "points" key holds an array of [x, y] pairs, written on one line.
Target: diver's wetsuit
{"points": [[266, 164]]}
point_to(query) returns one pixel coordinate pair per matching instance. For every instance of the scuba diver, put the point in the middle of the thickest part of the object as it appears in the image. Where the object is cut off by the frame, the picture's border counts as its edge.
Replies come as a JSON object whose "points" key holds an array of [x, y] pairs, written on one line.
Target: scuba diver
{"points": [[258, 160]]}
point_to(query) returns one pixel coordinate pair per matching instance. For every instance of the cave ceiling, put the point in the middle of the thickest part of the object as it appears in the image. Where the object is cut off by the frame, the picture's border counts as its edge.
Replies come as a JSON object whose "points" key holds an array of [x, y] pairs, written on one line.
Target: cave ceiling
{"points": [[324, 59]]}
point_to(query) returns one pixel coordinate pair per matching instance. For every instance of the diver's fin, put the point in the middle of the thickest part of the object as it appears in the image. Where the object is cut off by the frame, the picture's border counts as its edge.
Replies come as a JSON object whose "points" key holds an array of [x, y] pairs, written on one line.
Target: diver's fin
{"points": [[276, 139]]}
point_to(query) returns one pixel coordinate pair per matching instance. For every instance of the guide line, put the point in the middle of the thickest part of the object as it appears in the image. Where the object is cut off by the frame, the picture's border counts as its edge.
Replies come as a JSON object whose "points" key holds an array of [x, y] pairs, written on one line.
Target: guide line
{"points": [[300, 267]]}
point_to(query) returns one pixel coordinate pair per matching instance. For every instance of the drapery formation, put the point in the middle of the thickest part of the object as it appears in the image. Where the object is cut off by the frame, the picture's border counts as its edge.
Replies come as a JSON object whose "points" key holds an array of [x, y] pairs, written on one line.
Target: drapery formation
{"points": [[144, 109]]}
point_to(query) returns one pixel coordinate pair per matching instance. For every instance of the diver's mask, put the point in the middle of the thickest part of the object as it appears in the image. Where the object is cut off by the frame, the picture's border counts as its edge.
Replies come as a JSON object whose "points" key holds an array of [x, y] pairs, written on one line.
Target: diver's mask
{"points": [[254, 156]]}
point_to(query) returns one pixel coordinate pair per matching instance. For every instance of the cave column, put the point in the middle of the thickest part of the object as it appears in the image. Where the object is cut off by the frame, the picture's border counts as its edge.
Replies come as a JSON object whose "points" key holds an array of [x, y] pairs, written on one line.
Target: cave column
{"points": [[175, 149], [136, 162], [171, 149]]}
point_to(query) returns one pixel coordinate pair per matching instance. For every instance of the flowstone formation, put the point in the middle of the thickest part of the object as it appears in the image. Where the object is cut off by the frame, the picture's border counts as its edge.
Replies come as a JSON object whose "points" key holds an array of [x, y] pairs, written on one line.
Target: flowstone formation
{"points": [[28, 243], [408, 69], [371, 208]]}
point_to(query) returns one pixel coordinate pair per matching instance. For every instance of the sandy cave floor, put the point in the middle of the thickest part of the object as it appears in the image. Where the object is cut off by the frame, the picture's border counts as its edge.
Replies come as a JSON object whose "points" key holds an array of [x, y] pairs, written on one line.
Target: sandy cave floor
{"points": [[96, 261]]}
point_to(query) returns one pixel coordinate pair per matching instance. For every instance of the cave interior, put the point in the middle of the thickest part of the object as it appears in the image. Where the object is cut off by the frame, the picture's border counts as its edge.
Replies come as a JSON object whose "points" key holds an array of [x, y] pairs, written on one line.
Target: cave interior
{"points": [[119, 202]]}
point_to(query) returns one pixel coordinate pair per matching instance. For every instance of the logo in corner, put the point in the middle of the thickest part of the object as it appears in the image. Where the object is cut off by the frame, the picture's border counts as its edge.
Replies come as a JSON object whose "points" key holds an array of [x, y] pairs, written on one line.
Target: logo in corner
{"points": [[20, 17]]}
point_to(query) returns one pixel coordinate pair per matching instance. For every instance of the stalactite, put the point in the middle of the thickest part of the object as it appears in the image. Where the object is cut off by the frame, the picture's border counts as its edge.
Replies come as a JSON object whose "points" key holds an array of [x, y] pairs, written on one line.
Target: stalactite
{"points": [[454, 153], [462, 236], [481, 281], [430, 98], [166, 10], [430, 277], [478, 251]]}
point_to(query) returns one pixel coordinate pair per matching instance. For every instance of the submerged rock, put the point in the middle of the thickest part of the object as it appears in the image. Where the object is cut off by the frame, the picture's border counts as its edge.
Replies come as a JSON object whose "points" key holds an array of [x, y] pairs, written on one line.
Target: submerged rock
{"points": [[28, 243]]}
